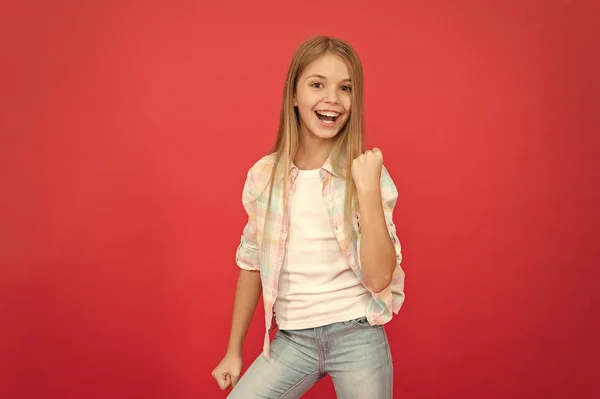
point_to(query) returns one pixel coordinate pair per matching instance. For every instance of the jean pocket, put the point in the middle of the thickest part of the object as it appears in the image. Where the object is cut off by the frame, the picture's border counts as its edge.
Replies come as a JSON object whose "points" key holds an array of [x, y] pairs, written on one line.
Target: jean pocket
{"points": [[360, 322]]}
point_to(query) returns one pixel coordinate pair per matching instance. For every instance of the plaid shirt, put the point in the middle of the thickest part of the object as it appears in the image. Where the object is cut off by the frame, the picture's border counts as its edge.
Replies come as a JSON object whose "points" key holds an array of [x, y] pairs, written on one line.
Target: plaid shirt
{"points": [[265, 254]]}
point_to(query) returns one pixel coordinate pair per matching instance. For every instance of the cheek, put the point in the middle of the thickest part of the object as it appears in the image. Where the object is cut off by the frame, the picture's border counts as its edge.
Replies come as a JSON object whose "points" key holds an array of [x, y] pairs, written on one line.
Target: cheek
{"points": [[304, 109], [304, 102], [305, 113], [347, 104], [311, 101]]}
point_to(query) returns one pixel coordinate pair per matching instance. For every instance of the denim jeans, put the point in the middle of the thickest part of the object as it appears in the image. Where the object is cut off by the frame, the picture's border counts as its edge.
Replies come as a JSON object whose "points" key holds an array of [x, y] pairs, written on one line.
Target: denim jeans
{"points": [[355, 354]]}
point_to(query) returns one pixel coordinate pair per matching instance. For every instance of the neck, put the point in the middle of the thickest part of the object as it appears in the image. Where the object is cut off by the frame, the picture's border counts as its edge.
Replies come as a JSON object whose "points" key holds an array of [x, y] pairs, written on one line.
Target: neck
{"points": [[312, 152]]}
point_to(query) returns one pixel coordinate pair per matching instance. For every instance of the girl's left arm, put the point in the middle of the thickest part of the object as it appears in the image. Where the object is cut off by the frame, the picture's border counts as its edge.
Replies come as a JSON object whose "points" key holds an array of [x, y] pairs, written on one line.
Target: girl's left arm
{"points": [[380, 252], [378, 255]]}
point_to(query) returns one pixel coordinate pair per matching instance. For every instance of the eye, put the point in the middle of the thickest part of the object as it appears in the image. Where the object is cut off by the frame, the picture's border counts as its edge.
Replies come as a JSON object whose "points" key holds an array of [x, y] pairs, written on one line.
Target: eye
{"points": [[346, 88], [317, 85]]}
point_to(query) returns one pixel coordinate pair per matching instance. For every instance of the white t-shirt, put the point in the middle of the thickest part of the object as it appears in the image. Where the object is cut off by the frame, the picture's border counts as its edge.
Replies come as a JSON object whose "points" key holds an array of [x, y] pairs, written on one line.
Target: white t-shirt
{"points": [[316, 285]]}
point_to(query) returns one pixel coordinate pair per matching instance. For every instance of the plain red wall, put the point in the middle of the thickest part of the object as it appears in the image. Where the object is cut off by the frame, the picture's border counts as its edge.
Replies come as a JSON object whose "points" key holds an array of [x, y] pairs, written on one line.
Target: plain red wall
{"points": [[128, 127]]}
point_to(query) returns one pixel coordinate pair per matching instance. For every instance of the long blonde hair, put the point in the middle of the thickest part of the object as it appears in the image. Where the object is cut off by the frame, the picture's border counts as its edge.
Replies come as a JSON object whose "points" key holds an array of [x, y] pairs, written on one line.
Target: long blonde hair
{"points": [[348, 142]]}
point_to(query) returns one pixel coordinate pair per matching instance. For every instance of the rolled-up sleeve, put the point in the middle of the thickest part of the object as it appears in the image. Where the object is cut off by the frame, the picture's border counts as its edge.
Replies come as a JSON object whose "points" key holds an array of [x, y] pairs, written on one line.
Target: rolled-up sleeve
{"points": [[247, 251], [389, 196]]}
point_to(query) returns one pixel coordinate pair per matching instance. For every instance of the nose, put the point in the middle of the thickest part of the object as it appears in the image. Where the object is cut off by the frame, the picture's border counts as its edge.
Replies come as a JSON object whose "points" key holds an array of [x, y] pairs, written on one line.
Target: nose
{"points": [[331, 96]]}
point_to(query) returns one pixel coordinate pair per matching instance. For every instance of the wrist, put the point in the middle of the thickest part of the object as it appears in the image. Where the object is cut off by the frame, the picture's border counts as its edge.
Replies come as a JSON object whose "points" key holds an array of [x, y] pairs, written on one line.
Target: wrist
{"points": [[233, 352], [370, 203], [234, 349], [370, 191]]}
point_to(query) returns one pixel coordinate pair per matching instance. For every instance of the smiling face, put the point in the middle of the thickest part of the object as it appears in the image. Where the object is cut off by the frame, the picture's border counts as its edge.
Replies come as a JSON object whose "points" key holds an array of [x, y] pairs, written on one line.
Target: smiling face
{"points": [[323, 97]]}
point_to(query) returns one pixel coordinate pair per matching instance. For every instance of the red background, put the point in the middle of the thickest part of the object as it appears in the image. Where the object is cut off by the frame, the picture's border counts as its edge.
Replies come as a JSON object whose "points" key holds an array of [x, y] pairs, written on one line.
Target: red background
{"points": [[128, 127]]}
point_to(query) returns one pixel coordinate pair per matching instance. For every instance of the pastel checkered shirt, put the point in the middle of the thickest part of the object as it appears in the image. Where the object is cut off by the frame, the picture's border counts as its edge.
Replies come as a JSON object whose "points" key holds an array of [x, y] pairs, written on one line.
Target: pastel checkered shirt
{"points": [[265, 253]]}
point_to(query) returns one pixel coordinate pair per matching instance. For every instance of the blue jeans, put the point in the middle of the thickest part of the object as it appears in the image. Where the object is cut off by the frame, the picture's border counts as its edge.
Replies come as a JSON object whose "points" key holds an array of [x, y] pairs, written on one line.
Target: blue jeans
{"points": [[355, 354]]}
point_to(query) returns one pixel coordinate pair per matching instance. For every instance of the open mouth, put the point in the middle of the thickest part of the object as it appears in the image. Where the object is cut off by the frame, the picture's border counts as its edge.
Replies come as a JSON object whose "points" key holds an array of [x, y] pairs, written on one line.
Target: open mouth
{"points": [[327, 117]]}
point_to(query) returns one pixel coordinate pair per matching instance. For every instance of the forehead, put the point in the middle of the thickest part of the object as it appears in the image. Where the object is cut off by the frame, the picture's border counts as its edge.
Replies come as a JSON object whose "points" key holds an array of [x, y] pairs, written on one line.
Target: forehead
{"points": [[329, 66]]}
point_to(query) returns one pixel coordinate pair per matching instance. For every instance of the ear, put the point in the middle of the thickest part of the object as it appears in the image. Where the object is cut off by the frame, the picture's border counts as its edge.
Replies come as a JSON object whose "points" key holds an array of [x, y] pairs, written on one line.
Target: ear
{"points": [[295, 101]]}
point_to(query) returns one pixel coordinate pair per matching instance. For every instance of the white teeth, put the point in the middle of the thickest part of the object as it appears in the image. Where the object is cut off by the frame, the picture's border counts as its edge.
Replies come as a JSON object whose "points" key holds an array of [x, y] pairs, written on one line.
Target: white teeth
{"points": [[328, 113]]}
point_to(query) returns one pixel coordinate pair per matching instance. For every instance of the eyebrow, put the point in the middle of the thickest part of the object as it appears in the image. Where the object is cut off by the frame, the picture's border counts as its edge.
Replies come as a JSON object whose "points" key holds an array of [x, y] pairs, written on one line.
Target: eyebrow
{"points": [[324, 78]]}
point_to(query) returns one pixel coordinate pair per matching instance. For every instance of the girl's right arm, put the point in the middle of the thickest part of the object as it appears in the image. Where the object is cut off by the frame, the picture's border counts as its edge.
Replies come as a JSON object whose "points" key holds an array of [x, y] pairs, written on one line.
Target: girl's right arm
{"points": [[246, 297], [247, 293]]}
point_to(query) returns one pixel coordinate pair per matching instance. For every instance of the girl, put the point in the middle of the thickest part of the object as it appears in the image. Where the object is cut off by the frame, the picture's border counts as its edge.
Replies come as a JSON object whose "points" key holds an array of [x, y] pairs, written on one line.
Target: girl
{"points": [[320, 243]]}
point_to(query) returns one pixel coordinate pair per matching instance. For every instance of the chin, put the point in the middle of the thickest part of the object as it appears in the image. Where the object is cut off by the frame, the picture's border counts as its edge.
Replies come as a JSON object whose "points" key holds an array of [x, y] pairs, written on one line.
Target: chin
{"points": [[323, 134]]}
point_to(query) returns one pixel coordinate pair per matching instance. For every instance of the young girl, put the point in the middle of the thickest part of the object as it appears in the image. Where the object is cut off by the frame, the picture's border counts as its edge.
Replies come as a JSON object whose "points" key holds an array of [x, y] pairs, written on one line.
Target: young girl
{"points": [[320, 243]]}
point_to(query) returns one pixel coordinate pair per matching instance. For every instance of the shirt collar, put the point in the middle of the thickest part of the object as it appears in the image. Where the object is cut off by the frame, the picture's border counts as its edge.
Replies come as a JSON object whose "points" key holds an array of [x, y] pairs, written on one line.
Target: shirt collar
{"points": [[326, 167]]}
